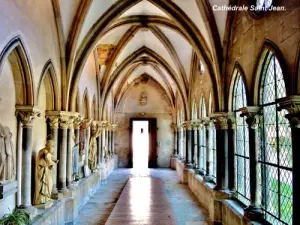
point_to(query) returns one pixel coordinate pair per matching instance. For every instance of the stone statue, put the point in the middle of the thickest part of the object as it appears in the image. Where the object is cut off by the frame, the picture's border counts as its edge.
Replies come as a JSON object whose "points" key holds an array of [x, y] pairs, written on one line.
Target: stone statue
{"points": [[76, 160], [7, 165], [43, 181], [93, 149]]}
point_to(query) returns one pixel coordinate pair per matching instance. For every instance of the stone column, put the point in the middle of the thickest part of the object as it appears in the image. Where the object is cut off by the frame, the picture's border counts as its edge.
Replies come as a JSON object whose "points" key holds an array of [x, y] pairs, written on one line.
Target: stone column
{"points": [[253, 115], [177, 141], [104, 138], [196, 125], [221, 124], [86, 126], [77, 125], [62, 156], [174, 129], [26, 116], [188, 150], [209, 153], [53, 122], [292, 105], [70, 146], [113, 132], [231, 149]]}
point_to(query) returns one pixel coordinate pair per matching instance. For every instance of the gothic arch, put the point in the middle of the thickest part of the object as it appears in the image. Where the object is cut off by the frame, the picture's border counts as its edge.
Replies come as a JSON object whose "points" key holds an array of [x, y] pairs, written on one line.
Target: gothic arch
{"points": [[268, 47], [86, 112], [237, 71], [17, 56], [49, 78]]}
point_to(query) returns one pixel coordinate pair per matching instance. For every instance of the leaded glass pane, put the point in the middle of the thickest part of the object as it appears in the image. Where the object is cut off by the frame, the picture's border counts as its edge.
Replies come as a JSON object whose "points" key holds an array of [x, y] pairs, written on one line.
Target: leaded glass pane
{"points": [[275, 153], [242, 175]]}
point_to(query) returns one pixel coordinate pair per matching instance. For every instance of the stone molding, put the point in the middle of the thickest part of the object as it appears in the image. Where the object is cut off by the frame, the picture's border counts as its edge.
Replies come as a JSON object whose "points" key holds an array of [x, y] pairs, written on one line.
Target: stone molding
{"points": [[61, 119], [53, 121], [188, 125], [253, 114], [78, 122], [86, 123], [103, 124], [27, 114], [196, 124], [220, 120], [292, 105]]}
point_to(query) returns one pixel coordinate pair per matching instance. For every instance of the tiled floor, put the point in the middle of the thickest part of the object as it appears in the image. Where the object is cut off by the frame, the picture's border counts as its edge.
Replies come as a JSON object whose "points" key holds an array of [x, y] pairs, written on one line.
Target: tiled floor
{"points": [[156, 199]]}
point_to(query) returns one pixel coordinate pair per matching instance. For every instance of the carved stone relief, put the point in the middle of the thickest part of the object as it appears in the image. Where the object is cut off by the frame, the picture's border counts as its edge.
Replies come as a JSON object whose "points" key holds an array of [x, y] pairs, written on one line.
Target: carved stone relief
{"points": [[7, 166], [143, 99]]}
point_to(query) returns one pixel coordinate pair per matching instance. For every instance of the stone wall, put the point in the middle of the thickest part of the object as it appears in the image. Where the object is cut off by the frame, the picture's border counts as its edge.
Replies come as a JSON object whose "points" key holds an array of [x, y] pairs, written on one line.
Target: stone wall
{"points": [[157, 107]]}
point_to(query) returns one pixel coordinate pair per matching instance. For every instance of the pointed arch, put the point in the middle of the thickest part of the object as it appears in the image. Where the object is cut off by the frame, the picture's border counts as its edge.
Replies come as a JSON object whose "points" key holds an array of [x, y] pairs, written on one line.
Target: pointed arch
{"points": [[17, 56], [49, 78], [86, 105], [268, 49]]}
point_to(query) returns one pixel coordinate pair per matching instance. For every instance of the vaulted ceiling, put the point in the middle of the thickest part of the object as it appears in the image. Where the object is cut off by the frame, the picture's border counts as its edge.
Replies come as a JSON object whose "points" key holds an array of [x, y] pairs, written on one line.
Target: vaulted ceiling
{"points": [[156, 38]]}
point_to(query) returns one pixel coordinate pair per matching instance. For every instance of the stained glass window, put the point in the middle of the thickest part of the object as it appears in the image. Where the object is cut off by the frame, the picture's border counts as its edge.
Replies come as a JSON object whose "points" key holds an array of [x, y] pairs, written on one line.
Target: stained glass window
{"points": [[275, 156], [241, 159]]}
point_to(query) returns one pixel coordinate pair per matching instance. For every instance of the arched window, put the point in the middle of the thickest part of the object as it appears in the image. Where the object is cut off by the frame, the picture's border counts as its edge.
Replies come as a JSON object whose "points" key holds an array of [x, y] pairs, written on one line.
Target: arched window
{"points": [[195, 113], [203, 139], [241, 155], [275, 156]]}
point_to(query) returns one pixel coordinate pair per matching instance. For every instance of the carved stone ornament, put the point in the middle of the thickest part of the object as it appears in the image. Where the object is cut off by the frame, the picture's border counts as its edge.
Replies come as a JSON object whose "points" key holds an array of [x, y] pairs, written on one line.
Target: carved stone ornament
{"points": [[78, 122], [253, 114], [220, 120], [292, 105], [27, 114], [86, 123], [7, 158], [104, 51], [143, 99], [53, 121]]}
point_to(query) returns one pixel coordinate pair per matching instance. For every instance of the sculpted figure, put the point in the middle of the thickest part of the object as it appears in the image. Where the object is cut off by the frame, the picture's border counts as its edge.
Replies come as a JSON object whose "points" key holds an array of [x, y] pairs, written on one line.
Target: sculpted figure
{"points": [[7, 165], [93, 149], [43, 181]]}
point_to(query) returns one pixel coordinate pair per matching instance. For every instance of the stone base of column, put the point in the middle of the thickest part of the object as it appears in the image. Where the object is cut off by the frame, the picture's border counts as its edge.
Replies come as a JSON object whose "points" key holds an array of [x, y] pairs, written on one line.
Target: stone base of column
{"points": [[29, 209], [254, 213], [87, 171]]}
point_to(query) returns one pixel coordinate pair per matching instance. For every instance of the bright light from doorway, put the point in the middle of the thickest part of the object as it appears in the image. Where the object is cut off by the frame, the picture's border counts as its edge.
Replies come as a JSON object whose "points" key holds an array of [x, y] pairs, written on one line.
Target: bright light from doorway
{"points": [[140, 140]]}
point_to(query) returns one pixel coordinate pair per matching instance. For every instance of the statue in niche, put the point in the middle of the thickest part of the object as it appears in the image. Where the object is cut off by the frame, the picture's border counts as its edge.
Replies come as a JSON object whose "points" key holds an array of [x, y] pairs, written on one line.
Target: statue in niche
{"points": [[43, 181], [75, 159], [93, 149], [143, 98], [7, 166]]}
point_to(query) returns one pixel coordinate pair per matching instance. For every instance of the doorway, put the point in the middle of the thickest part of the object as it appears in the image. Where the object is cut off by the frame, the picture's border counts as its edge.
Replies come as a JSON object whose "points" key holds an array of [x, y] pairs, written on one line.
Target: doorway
{"points": [[140, 145], [148, 145]]}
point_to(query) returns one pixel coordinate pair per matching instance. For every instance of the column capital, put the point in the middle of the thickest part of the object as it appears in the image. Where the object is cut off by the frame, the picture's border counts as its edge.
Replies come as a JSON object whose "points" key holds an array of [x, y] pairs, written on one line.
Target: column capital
{"points": [[52, 120], [292, 105], [114, 127], [86, 123], [196, 124], [78, 122], [187, 125], [27, 114], [103, 124], [231, 120], [220, 120], [253, 115], [207, 122], [174, 127]]}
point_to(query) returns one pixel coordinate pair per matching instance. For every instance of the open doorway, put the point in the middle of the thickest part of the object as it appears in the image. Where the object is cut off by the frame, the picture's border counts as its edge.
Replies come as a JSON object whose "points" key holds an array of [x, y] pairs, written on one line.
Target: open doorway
{"points": [[140, 145]]}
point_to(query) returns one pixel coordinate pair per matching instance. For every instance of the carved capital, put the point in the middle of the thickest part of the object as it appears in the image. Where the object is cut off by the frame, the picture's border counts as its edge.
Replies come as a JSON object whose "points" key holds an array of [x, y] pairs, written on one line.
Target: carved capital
{"points": [[196, 124], [231, 120], [86, 123], [292, 105], [53, 121], [103, 124], [114, 127], [187, 125], [220, 120], [207, 122], [27, 114], [78, 122], [64, 121], [253, 115]]}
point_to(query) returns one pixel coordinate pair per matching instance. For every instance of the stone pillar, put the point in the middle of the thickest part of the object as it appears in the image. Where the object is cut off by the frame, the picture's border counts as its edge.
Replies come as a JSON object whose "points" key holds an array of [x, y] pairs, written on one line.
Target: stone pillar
{"points": [[221, 124], [178, 141], [188, 150], [70, 146], [209, 153], [77, 125], [53, 122], [196, 125], [114, 128], [183, 143], [26, 116], [86, 126], [231, 149], [253, 115], [292, 105], [174, 129], [62, 156]]}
